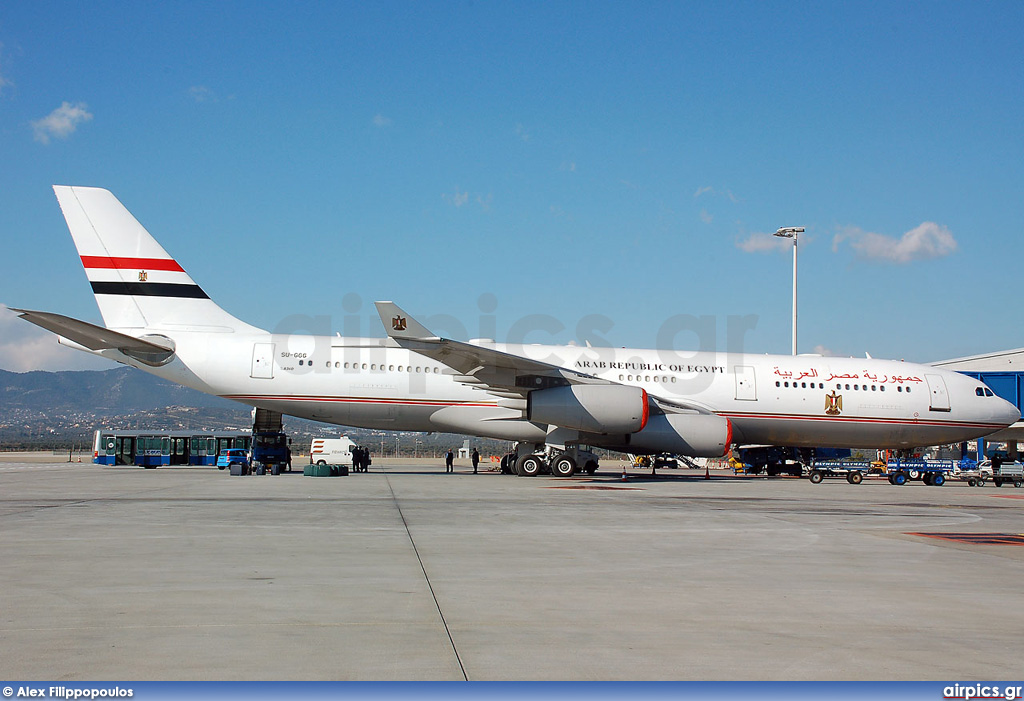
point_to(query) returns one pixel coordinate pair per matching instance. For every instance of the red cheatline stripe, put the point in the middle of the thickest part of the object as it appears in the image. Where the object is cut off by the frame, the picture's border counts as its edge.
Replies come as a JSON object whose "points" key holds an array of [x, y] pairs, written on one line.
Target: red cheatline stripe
{"points": [[854, 419], [131, 263], [355, 400]]}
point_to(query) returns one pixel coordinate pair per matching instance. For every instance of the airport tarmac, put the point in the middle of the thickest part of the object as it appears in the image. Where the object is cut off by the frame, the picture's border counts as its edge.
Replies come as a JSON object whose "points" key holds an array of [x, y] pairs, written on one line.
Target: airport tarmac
{"points": [[409, 573]]}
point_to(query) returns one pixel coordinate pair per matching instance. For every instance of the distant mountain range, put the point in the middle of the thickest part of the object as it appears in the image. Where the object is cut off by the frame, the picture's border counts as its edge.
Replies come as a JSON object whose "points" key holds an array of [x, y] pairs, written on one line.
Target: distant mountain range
{"points": [[97, 391]]}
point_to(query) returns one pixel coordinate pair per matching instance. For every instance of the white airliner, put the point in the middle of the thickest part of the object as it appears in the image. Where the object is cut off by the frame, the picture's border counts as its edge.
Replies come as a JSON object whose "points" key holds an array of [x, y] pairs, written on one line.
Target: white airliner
{"points": [[550, 399]]}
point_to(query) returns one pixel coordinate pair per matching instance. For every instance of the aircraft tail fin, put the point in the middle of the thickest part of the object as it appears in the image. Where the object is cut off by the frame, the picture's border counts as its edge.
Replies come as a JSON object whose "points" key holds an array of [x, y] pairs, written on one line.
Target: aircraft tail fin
{"points": [[136, 282]]}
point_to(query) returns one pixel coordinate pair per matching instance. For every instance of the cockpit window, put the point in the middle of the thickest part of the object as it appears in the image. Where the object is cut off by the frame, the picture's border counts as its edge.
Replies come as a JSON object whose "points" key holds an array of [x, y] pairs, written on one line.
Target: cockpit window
{"points": [[980, 392], [988, 392]]}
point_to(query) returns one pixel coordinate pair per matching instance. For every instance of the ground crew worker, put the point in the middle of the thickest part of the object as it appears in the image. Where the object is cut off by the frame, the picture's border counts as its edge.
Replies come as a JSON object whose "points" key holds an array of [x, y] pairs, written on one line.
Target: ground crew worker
{"points": [[476, 460]]}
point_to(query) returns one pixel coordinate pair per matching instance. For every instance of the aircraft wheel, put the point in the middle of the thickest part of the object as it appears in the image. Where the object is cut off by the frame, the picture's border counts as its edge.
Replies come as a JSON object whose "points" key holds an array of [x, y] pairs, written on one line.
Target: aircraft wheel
{"points": [[938, 479], [816, 477], [528, 466], [563, 466], [855, 478]]}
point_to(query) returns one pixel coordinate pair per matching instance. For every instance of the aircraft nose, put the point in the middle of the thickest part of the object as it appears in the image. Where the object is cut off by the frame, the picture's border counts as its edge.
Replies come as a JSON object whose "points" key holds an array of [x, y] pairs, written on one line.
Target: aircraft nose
{"points": [[1010, 414]]}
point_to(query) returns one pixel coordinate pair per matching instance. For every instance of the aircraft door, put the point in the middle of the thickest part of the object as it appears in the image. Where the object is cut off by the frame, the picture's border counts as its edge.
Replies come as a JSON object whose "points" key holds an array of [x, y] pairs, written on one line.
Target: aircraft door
{"points": [[262, 361], [746, 389], [939, 399]]}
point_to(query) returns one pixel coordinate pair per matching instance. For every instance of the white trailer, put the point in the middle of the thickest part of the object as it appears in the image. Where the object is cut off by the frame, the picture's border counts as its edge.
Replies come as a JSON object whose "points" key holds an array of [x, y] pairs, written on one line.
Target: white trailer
{"points": [[331, 451]]}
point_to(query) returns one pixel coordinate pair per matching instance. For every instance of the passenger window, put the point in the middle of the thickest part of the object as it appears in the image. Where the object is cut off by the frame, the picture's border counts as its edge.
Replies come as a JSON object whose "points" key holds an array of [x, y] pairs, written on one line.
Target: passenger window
{"points": [[777, 383]]}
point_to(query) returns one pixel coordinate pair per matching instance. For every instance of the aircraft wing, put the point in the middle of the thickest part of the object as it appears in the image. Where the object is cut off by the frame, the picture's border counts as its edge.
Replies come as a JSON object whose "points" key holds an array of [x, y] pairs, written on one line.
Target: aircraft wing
{"points": [[499, 373], [89, 335]]}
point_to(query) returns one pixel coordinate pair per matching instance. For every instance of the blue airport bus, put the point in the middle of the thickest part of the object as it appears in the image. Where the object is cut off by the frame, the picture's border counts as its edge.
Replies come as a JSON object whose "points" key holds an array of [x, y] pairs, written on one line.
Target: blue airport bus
{"points": [[151, 448]]}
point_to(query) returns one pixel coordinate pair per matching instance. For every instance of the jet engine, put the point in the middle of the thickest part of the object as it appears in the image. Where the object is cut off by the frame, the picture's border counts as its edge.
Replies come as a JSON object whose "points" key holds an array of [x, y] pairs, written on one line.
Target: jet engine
{"points": [[696, 435], [599, 409]]}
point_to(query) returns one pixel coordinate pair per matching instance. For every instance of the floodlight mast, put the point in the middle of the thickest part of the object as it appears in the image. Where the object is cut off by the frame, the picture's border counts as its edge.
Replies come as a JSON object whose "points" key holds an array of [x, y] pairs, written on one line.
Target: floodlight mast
{"points": [[791, 232]]}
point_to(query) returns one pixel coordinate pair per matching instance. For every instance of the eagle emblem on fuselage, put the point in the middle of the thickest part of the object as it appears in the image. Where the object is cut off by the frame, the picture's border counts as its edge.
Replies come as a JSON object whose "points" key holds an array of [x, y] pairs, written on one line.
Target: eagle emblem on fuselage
{"points": [[143, 276], [833, 404]]}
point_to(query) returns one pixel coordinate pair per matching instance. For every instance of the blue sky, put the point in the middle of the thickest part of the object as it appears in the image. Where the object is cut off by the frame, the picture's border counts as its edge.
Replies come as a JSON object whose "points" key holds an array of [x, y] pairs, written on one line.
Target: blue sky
{"points": [[513, 169]]}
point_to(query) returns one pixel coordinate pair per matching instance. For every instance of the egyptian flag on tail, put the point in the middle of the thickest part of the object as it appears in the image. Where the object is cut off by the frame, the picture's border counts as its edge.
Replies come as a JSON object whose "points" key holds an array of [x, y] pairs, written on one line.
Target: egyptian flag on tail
{"points": [[136, 282]]}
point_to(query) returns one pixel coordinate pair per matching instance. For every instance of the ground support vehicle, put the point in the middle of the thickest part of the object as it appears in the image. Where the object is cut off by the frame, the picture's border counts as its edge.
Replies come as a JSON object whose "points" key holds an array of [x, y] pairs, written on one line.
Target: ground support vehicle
{"points": [[269, 449], [331, 451], [234, 459], [852, 470], [1009, 473], [931, 472]]}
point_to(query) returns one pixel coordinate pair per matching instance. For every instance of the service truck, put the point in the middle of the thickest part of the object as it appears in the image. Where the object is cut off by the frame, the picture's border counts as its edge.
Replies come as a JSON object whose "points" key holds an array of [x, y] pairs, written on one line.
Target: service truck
{"points": [[331, 451]]}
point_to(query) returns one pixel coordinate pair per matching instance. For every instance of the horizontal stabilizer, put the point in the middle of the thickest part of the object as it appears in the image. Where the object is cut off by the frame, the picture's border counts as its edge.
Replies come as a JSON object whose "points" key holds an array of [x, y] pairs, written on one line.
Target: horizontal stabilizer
{"points": [[94, 337]]}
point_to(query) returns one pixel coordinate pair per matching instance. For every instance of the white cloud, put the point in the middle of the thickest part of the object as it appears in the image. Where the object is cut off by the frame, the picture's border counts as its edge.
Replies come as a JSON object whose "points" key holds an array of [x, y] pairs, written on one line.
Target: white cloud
{"points": [[764, 243], [381, 121], [25, 347], [62, 122], [822, 350], [708, 190], [201, 93], [926, 241], [706, 216]]}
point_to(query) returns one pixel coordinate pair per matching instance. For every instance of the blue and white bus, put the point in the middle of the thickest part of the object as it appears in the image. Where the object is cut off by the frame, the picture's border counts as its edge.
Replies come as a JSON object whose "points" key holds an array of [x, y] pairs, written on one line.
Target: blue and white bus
{"points": [[150, 448]]}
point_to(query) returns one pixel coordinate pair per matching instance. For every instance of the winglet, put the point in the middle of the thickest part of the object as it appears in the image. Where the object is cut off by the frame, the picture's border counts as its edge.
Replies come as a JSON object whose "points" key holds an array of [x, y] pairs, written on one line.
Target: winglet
{"points": [[399, 325]]}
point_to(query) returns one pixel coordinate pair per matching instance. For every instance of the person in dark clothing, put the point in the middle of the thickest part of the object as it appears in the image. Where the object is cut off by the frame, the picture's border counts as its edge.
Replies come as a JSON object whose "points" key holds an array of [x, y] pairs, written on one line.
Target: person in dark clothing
{"points": [[476, 460], [449, 461]]}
